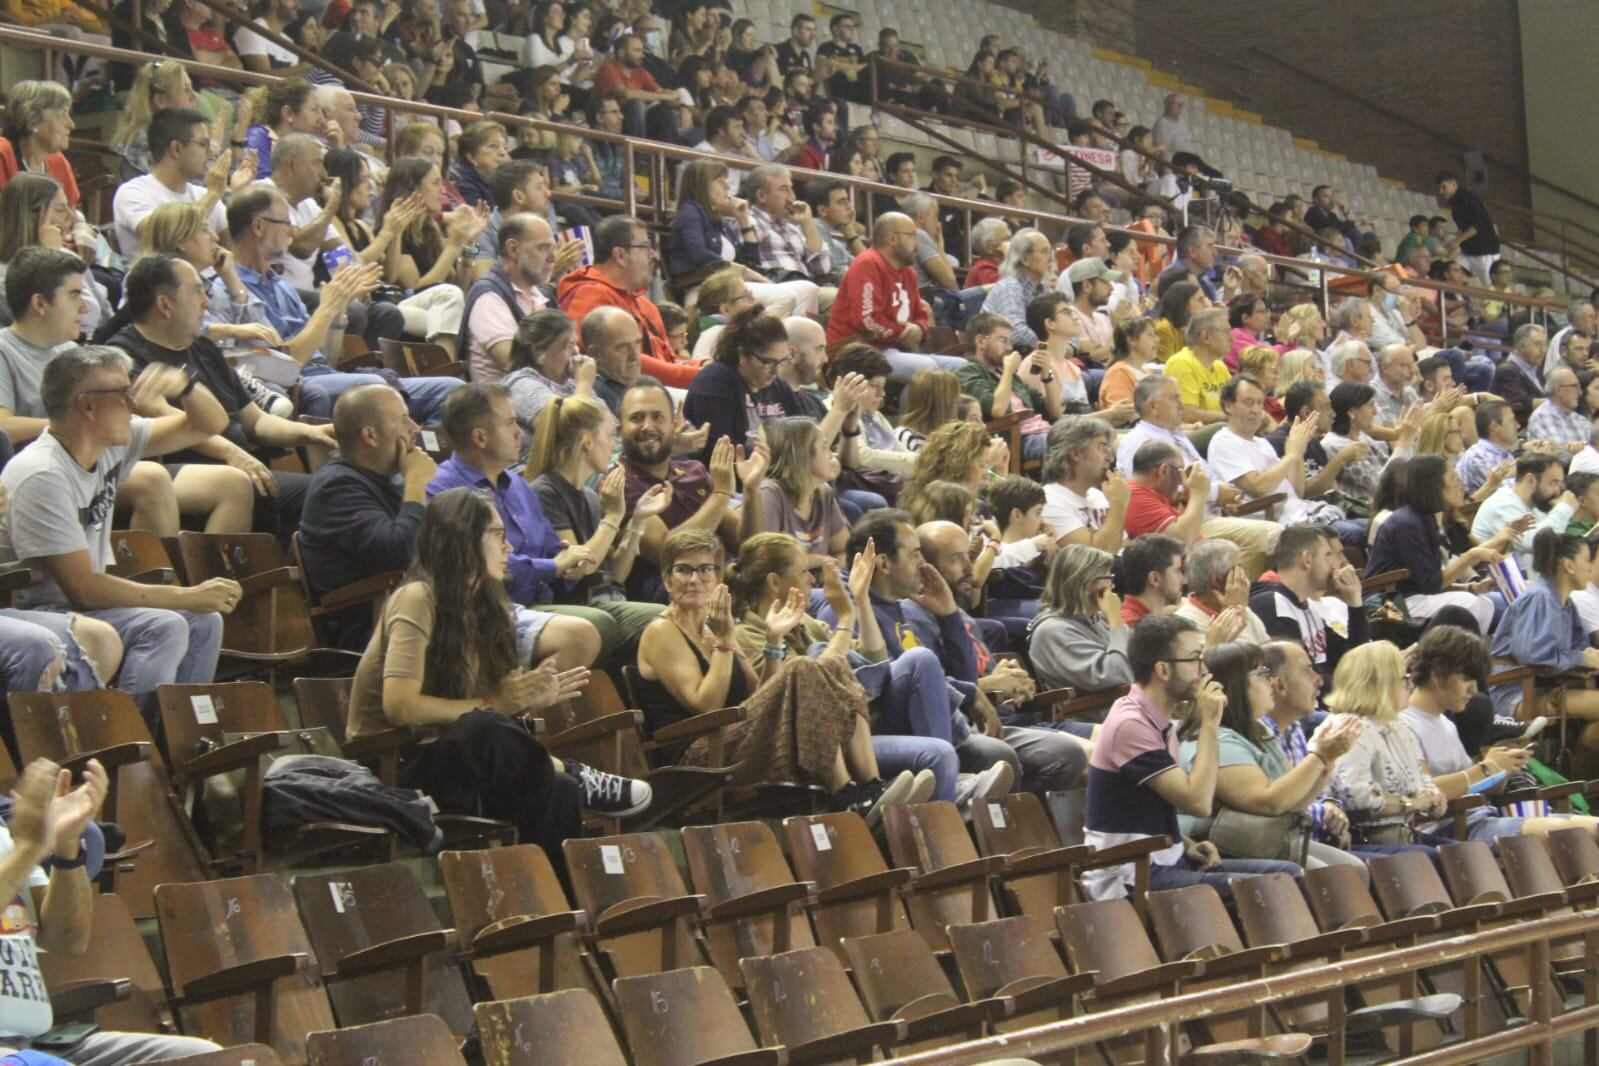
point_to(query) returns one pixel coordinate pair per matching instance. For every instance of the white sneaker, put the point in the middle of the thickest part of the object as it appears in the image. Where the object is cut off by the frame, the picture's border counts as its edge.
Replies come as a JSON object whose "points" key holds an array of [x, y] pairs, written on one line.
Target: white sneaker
{"points": [[993, 783], [1534, 727], [923, 785]]}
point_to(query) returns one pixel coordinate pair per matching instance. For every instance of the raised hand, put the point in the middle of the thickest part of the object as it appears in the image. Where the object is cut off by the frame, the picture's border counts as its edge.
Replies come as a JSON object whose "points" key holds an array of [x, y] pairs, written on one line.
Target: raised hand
{"points": [[1225, 627], [1236, 592], [934, 595], [720, 619], [860, 575], [613, 494], [585, 371], [1110, 605], [656, 499], [722, 467], [245, 172], [752, 469], [1209, 704], [1335, 737], [74, 808], [1116, 490], [1196, 482], [1011, 364], [567, 257], [1300, 436]]}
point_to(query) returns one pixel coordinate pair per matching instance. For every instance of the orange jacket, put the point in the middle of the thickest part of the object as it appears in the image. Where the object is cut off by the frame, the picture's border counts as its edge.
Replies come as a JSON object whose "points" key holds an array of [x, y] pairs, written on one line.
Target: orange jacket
{"points": [[583, 290]]}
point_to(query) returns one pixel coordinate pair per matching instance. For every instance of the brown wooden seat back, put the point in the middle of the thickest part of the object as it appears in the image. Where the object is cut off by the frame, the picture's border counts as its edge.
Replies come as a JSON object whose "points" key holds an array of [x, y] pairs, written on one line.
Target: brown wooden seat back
{"points": [[243, 1055], [1010, 956], [272, 622], [1192, 923], [1407, 884], [1015, 825], [681, 1018], [801, 996], [140, 556], [612, 874], [198, 717], [1106, 936], [353, 910], [731, 861], [118, 953], [1471, 874], [324, 702], [898, 975], [1272, 910], [212, 927], [1575, 854], [419, 1038], [1339, 898], [929, 837], [565, 1028], [849, 855], [1066, 812]]}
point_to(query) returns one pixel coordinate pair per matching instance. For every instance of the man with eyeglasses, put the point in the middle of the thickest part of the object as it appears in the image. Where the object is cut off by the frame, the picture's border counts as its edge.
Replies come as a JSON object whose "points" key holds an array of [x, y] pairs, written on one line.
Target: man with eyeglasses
{"points": [[1519, 381], [624, 263], [878, 302], [63, 490], [847, 58], [180, 173], [1558, 419], [1136, 782], [514, 287]]}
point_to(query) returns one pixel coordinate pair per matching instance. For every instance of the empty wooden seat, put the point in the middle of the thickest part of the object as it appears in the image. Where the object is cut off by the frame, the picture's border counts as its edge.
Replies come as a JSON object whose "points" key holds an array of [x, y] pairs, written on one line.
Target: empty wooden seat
{"points": [[1576, 857], [420, 1038], [1015, 959], [1532, 876], [686, 1017], [564, 1028], [271, 624], [241, 965], [1473, 876], [417, 359], [753, 905], [803, 1000], [382, 949], [1040, 873], [953, 883], [518, 931], [115, 984], [642, 916], [140, 556], [899, 979], [856, 893]]}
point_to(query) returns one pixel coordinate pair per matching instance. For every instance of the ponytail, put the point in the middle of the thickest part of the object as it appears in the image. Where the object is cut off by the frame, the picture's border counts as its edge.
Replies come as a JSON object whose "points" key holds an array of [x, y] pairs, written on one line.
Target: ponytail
{"points": [[1551, 547], [557, 428]]}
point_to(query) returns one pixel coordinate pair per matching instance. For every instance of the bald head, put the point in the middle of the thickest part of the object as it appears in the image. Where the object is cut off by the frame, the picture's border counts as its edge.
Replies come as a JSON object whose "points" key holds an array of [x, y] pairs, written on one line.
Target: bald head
{"points": [[1562, 387], [802, 330], [373, 427], [611, 337], [947, 547], [887, 225]]}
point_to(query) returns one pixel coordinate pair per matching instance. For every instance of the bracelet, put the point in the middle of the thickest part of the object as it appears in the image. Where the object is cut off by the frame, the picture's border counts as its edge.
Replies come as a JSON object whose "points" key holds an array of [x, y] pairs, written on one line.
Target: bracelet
{"points": [[847, 433], [58, 863], [1319, 757], [775, 652], [608, 522], [241, 144], [722, 647], [721, 492]]}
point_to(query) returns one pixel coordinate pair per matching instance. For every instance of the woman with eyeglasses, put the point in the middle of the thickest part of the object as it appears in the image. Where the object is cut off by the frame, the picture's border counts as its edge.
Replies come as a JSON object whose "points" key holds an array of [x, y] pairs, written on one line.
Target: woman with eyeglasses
{"points": [[34, 212], [741, 389], [545, 363], [1256, 774], [806, 722]]}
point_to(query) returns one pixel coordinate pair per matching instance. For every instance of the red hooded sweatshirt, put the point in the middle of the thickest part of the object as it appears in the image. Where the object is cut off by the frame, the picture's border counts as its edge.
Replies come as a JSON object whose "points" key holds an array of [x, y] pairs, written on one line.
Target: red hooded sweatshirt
{"points": [[583, 290], [875, 303]]}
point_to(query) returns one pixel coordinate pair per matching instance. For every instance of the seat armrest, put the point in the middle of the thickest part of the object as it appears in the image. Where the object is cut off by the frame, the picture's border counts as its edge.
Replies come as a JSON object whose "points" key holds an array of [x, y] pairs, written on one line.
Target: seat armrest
{"points": [[1547, 793], [1031, 993], [1258, 504], [1534, 904], [964, 873], [358, 592], [392, 954], [269, 579], [866, 887], [1246, 960], [111, 758], [241, 980], [772, 900], [849, 1045], [594, 729], [1472, 914], [234, 756], [1042, 862], [1128, 852], [1327, 945], [525, 931], [766, 1056], [385, 740], [696, 726], [1402, 928], [650, 912], [1461, 804], [1158, 977], [84, 997]]}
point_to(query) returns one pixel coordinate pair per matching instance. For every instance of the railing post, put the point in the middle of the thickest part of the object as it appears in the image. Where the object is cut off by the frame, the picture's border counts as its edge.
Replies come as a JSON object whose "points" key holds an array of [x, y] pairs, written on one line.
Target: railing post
{"points": [[629, 188], [1541, 1004]]}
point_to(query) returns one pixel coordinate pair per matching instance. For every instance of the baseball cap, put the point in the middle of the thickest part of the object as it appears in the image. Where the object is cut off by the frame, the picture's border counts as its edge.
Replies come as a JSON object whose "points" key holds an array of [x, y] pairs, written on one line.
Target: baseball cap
{"points": [[1091, 268]]}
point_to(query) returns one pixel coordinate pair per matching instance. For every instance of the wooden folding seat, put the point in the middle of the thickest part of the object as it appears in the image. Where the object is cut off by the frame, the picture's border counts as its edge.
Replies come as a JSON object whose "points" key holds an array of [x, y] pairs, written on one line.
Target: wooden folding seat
{"points": [[952, 883], [241, 965], [197, 721], [685, 1018], [802, 1000], [242, 1055], [856, 892], [1015, 960], [115, 984], [1531, 874], [565, 1028], [419, 1038], [369, 593], [382, 948], [1576, 858], [899, 979], [642, 917], [419, 359], [1039, 873], [753, 905], [1106, 936], [70, 728], [141, 556]]}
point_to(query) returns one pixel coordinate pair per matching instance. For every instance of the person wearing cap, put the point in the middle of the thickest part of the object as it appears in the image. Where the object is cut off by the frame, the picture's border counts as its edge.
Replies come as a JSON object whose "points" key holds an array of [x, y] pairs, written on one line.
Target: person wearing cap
{"points": [[1002, 381], [1092, 285]]}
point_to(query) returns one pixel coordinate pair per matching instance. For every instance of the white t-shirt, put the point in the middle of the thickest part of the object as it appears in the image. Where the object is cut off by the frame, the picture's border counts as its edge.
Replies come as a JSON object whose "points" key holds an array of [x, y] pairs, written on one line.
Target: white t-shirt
{"points": [[1438, 740], [24, 1001], [137, 198], [1231, 457], [1585, 461], [249, 43], [1066, 511], [297, 271], [1586, 601], [58, 507]]}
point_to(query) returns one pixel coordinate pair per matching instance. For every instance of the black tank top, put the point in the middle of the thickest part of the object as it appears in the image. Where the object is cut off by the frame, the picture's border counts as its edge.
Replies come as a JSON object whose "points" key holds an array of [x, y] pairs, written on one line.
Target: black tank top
{"points": [[661, 708]]}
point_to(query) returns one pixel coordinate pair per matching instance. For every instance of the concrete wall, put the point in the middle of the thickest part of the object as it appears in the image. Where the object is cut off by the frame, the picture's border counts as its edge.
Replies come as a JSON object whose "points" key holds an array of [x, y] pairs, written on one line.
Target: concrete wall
{"points": [[1562, 97]]}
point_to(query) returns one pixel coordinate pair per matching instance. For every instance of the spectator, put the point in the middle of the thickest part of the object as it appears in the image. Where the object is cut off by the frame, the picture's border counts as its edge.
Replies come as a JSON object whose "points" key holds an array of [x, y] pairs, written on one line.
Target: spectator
{"points": [[624, 73], [623, 263], [1080, 635], [37, 128], [821, 129], [547, 46], [164, 312], [1132, 348], [935, 269], [545, 363], [424, 258], [1024, 276], [156, 87], [878, 302], [1394, 384], [45, 295], [518, 186], [1086, 240], [1581, 319], [833, 205], [741, 390], [179, 163], [34, 213], [1164, 495], [62, 489], [515, 287], [1150, 573], [1350, 361], [1001, 379], [932, 399], [805, 372], [846, 59], [879, 448], [1178, 303], [1519, 381], [1354, 416], [788, 240], [358, 520], [758, 142], [1196, 258], [1219, 584], [1326, 210], [1026, 547], [1393, 314], [297, 171], [1475, 244], [1497, 436], [1249, 318], [795, 53], [989, 237], [724, 133], [1290, 602], [611, 337], [1260, 362], [798, 499], [1238, 454], [1538, 492], [1560, 419], [480, 150], [290, 105], [1079, 460], [1092, 283], [1200, 368], [1572, 350]]}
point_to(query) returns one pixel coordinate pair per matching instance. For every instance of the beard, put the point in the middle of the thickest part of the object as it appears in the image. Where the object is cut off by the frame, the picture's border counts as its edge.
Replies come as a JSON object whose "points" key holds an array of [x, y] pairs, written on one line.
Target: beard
{"points": [[649, 451]]}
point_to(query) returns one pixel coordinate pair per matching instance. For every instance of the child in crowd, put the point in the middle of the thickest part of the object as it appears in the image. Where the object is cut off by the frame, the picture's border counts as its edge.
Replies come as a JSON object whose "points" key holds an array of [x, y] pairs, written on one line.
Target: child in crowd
{"points": [[1026, 546]]}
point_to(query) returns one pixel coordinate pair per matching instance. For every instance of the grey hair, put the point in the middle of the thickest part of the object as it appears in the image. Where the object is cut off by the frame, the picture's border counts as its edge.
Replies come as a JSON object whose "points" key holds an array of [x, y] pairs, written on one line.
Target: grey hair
{"points": [[1152, 454], [1576, 307], [917, 204], [1071, 434], [1388, 351], [64, 374], [26, 103], [1344, 315], [1202, 323], [1249, 258], [1020, 241], [987, 232], [328, 95], [292, 146], [1148, 388], [756, 179], [1523, 332], [1071, 575], [1209, 560], [1338, 358]]}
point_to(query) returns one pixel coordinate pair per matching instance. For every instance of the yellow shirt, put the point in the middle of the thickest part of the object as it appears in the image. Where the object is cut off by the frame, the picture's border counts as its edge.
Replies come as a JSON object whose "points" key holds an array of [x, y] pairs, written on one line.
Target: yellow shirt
{"points": [[1169, 339], [1200, 388]]}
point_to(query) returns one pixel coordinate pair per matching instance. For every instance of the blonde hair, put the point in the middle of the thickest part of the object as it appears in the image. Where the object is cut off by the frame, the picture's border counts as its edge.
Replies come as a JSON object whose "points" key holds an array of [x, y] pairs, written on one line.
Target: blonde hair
{"points": [[949, 455], [1303, 314], [943, 501], [1257, 361], [556, 430], [760, 556], [931, 399], [169, 226], [717, 290], [1434, 434], [792, 440], [1291, 368], [1365, 680], [161, 76]]}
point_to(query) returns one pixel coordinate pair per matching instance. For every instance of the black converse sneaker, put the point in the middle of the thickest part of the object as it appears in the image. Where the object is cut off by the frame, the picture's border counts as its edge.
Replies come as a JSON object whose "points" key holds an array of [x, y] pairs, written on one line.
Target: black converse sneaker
{"points": [[868, 798], [610, 794]]}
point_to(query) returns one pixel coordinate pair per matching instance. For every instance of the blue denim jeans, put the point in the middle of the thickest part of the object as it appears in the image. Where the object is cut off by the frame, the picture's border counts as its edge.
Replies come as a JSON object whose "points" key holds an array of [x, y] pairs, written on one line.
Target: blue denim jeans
{"points": [[161, 647], [916, 698], [1218, 877], [919, 753], [34, 644], [321, 386], [906, 365], [856, 502]]}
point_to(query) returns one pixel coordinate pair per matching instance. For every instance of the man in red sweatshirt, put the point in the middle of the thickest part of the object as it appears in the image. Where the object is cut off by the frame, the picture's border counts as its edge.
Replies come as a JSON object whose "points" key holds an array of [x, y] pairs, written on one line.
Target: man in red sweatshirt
{"points": [[878, 302], [623, 264]]}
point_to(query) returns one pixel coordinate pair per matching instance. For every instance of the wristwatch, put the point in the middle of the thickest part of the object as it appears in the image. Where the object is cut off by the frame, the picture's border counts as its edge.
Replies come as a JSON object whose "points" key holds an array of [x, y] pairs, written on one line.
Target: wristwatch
{"points": [[194, 379], [58, 863]]}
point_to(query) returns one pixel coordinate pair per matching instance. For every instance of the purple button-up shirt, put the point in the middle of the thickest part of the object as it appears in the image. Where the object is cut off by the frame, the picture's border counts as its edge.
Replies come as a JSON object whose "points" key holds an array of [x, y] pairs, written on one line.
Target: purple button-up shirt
{"points": [[534, 544]]}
